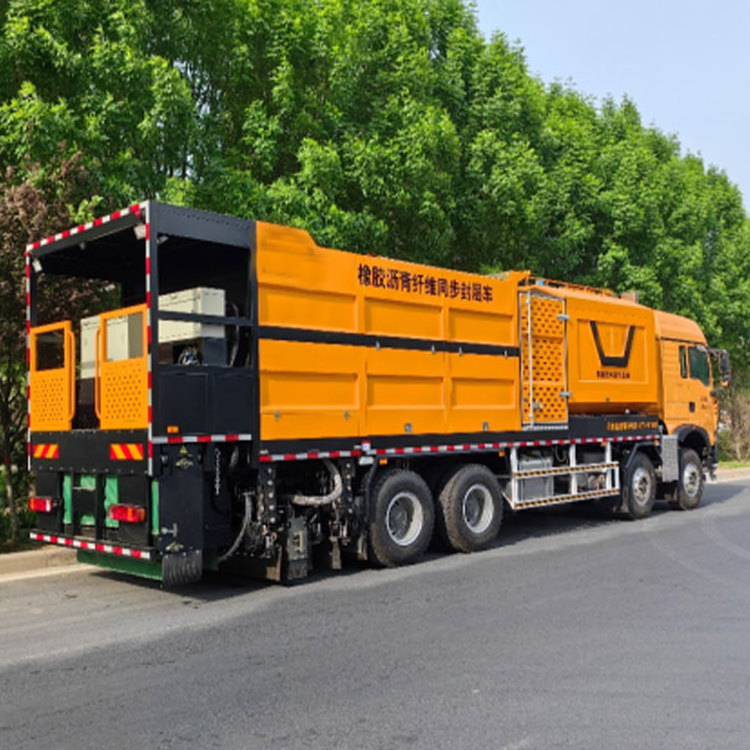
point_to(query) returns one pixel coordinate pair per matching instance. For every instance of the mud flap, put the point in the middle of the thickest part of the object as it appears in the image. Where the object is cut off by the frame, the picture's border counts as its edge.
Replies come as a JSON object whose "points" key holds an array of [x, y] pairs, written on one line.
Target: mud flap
{"points": [[180, 568]]}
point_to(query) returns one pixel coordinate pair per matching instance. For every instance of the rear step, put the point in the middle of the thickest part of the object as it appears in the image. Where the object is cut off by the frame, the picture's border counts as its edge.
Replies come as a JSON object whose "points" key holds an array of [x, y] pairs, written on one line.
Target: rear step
{"points": [[140, 562], [172, 569]]}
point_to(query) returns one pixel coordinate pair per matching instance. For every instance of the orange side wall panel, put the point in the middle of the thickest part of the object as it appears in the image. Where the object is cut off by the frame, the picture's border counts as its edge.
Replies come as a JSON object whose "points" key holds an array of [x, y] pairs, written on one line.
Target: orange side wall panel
{"points": [[308, 390], [622, 372], [377, 383]]}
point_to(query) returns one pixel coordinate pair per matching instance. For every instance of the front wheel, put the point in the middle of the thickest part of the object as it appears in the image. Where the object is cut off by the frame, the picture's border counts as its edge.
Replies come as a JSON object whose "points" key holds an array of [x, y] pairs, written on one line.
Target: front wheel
{"points": [[402, 518], [639, 487], [689, 489]]}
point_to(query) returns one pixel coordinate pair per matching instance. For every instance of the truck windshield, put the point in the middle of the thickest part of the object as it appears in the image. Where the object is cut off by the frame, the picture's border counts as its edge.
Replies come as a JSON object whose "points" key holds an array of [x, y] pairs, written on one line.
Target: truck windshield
{"points": [[699, 365]]}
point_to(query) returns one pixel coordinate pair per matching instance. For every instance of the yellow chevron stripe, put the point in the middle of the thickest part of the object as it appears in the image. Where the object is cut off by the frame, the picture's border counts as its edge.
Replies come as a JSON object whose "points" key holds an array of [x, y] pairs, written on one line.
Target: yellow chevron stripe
{"points": [[118, 451]]}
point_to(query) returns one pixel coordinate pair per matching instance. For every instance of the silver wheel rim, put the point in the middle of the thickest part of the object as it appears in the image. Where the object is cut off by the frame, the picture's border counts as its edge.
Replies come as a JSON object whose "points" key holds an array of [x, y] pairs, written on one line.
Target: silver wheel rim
{"points": [[691, 479], [404, 518], [478, 508], [641, 484]]}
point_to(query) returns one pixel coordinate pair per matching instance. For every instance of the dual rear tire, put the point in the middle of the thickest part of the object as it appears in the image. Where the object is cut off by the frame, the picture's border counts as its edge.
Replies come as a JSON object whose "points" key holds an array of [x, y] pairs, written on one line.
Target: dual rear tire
{"points": [[402, 518], [470, 509], [403, 514]]}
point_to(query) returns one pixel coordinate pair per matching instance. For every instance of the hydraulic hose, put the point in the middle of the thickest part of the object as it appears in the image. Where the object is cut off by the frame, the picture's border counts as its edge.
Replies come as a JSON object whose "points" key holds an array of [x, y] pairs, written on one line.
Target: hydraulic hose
{"points": [[316, 501], [243, 529]]}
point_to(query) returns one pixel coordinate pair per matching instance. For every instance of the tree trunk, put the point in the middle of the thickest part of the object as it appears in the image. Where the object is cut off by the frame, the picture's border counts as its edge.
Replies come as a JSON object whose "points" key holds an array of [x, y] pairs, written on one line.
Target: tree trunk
{"points": [[11, 500]]}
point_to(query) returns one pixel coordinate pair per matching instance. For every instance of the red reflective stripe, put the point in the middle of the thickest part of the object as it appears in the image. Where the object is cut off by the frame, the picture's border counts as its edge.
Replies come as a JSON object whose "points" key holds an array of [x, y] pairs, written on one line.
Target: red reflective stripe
{"points": [[230, 438], [174, 439], [204, 438]]}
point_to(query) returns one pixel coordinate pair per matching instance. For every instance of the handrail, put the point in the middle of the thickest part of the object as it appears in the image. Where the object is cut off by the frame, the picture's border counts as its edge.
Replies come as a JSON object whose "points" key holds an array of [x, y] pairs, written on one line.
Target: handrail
{"points": [[70, 341], [97, 387]]}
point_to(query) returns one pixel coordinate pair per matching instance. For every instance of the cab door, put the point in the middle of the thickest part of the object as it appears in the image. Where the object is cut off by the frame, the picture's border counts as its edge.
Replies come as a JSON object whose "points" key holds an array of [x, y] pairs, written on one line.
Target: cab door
{"points": [[702, 403], [686, 384]]}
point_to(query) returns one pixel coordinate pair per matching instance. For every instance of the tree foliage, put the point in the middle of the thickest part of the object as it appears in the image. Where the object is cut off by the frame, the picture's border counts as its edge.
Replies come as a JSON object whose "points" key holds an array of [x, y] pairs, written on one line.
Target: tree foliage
{"points": [[382, 126]]}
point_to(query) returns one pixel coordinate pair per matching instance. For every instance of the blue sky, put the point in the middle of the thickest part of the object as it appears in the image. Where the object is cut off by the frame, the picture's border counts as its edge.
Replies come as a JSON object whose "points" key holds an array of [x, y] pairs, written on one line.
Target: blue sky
{"points": [[684, 64]]}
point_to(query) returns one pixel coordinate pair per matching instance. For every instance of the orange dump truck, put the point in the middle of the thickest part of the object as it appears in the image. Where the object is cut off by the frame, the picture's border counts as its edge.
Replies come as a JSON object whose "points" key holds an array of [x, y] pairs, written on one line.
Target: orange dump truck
{"points": [[255, 402]]}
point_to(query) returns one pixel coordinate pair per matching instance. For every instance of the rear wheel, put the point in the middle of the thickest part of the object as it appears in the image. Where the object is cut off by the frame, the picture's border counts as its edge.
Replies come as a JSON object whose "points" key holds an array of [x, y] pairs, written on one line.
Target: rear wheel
{"points": [[402, 518], [688, 491], [639, 487], [470, 509]]}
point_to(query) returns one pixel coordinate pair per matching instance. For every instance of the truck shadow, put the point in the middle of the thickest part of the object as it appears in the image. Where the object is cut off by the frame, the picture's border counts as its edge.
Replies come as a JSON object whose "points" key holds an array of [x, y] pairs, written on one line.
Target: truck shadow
{"points": [[533, 523], [565, 519]]}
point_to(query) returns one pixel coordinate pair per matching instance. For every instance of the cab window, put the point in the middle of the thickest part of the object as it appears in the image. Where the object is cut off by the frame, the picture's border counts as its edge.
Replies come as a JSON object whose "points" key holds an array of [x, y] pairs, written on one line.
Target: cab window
{"points": [[699, 366], [683, 362]]}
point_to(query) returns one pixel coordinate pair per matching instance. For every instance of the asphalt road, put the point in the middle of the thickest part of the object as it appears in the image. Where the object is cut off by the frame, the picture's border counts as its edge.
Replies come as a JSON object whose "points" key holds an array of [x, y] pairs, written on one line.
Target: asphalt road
{"points": [[571, 632]]}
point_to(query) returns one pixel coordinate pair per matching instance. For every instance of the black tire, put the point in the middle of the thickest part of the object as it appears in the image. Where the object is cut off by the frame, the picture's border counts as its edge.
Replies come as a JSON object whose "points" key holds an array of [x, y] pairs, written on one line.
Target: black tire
{"points": [[639, 487], [470, 509], [688, 490], [402, 518]]}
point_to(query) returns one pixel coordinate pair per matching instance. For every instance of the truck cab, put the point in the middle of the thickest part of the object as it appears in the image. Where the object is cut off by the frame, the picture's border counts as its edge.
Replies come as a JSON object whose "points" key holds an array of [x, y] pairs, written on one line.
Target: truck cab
{"points": [[689, 408]]}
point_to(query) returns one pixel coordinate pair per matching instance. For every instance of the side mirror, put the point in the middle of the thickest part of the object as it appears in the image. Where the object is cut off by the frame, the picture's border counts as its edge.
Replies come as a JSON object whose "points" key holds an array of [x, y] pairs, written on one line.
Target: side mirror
{"points": [[725, 366]]}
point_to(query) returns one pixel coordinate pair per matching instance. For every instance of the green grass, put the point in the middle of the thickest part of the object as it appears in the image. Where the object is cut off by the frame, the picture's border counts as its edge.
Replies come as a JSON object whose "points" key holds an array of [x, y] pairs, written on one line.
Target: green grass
{"points": [[734, 464]]}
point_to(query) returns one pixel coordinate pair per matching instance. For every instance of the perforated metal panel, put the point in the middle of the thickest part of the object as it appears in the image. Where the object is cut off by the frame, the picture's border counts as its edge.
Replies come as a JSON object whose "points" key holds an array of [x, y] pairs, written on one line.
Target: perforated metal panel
{"points": [[49, 410], [543, 359], [122, 384], [52, 405]]}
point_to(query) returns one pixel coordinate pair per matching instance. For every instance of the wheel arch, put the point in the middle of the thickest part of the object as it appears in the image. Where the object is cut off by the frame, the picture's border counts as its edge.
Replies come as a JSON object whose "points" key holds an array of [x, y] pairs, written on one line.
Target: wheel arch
{"points": [[692, 436]]}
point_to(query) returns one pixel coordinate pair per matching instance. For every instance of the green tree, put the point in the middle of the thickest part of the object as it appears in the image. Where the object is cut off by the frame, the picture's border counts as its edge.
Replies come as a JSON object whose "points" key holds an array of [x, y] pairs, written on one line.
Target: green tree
{"points": [[381, 126], [30, 208]]}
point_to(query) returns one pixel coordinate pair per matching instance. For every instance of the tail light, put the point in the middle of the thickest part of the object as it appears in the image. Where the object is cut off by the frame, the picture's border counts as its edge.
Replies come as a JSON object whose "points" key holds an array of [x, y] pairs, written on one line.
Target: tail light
{"points": [[127, 513], [41, 504]]}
